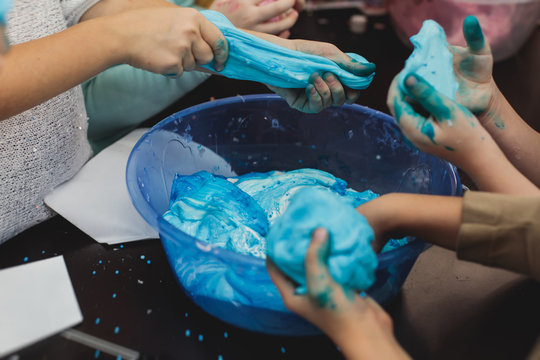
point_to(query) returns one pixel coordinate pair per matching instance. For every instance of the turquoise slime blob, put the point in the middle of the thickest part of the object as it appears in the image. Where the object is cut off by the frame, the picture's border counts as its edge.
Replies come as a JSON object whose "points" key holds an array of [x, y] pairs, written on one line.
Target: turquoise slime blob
{"points": [[432, 60], [351, 260], [255, 59]]}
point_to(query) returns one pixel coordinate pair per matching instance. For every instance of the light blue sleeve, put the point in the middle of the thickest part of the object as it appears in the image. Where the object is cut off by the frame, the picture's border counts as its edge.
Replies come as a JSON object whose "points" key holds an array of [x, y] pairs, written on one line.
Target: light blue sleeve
{"points": [[5, 5], [255, 59], [432, 60], [120, 98]]}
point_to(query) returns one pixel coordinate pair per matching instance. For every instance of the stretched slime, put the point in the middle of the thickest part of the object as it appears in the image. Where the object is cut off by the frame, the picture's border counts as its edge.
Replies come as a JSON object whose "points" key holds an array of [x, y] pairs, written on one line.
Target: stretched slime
{"points": [[255, 59]]}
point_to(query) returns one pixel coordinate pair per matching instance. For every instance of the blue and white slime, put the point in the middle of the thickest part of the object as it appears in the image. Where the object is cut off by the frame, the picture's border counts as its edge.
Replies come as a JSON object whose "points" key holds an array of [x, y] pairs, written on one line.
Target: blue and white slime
{"points": [[255, 59], [247, 213]]}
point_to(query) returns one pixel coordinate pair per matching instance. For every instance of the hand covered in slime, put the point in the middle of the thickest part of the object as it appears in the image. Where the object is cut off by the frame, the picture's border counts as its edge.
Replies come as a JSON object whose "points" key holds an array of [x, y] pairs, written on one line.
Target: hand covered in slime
{"points": [[473, 68], [325, 89], [356, 323]]}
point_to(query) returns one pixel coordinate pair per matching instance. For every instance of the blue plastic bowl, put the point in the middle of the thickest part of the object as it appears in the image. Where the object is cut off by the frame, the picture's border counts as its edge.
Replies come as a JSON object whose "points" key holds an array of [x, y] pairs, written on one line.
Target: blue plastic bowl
{"points": [[261, 133]]}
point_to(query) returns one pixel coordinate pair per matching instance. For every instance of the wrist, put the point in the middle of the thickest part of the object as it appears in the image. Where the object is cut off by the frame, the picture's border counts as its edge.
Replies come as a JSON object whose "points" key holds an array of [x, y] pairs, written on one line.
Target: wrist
{"points": [[116, 39], [497, 107], [370, 338]]}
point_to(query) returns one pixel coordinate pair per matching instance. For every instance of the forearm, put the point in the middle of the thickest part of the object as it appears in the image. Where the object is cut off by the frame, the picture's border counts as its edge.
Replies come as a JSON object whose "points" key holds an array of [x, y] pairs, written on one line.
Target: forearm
{"points": [[38, 70], [435, 219], [519, 142], [290, 44], [491, 171]]}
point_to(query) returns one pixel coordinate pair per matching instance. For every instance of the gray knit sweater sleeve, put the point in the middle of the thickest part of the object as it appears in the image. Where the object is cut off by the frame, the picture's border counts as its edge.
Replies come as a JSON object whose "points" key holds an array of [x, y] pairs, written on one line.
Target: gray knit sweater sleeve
{"points": [[43, 146], [74, 9]]}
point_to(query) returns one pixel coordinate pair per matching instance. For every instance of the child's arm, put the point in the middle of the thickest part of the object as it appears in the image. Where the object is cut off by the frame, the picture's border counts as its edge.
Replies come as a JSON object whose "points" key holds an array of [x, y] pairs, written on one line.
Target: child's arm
{"points": [[478, 92], [453, 133], [491, 229], [357, 324]]}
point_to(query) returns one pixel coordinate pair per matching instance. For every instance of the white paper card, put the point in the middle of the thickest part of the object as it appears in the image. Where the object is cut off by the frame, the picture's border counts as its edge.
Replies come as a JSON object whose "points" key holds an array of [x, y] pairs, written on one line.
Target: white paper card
{"points": [[36, 301], [97, 201]]}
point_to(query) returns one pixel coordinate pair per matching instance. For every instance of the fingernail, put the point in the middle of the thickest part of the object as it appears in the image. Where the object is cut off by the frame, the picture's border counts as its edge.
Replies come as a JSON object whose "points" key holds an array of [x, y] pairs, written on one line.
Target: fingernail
{"points": [[370, 67], [329, 77], [411, 80], [319, 81], [320, 235]]}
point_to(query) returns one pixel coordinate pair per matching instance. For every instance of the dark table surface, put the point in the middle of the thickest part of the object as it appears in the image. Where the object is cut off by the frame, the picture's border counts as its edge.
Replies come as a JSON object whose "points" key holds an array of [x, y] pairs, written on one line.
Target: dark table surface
{"points": [[447, 308]]}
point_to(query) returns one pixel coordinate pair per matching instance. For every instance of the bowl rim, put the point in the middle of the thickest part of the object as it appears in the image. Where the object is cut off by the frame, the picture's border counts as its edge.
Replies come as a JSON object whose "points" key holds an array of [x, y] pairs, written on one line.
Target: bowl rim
{"points": [[224, 254]]}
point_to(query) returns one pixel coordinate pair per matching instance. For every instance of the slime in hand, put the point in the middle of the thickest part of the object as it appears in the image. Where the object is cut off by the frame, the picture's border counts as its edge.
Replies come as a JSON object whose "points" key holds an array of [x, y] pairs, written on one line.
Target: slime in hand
{"points": [[432, 60], [351, 259], [255, 59]]}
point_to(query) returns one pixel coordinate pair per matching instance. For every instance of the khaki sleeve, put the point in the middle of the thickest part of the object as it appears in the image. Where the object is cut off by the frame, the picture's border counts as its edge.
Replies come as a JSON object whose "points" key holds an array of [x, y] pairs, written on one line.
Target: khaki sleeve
{"points": [[501, 231]]}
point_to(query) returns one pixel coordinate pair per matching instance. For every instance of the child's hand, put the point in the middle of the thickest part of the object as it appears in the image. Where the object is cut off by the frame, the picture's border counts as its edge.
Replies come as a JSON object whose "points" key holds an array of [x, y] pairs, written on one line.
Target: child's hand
{"points": [[169, 40], [473, 67], [325, 90], [449, 130], [356, 323], [273, 17]]}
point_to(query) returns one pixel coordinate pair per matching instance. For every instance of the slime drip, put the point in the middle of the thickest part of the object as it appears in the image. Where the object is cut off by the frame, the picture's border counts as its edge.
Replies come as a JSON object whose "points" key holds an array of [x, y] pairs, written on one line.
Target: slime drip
{"points": [[432, 60], [255, 59]]}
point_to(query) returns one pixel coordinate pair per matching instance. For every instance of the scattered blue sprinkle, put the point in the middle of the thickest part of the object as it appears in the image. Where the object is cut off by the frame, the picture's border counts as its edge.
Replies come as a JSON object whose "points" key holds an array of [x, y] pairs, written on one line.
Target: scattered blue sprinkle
{"points": [[94, 272], [225, 335], [98, 320], [313, 146], [117, 329], [186, 314], [121, 246], [116, 272], [300, 161], [282, 350], [118, 357], [201, 337], [148, 261], [188, 333], [243, 136], [220, 357], [114, 295], [100, 262], [25, 259], [142, 257], [96, 354], [43, 251]]}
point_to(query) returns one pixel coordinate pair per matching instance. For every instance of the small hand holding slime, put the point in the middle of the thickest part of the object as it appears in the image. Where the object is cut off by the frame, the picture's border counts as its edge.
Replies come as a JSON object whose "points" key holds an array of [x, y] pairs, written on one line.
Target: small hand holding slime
{"points": [[351, 260], [356, 323], [295, 71], [325, 89], [450, 131]]}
